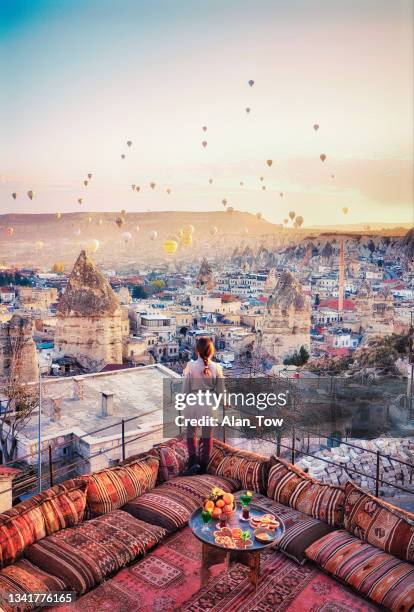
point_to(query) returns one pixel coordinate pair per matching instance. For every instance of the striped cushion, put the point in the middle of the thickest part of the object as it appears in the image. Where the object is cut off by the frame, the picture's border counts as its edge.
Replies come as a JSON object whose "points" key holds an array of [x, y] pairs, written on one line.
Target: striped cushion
{"points": [[249, 468], [171, 504], [85, 555], [292, 487], [372, 572], [173, 456], [43, 514], [379, 523], [24, 578], [112, 488]]}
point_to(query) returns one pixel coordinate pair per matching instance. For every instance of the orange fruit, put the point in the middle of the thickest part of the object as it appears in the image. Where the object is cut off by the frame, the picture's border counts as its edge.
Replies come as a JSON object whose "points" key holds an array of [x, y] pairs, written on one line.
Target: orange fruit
{"points": [[216, 512], [228, 498], [220, 503], [228, 508], [209, 505]]}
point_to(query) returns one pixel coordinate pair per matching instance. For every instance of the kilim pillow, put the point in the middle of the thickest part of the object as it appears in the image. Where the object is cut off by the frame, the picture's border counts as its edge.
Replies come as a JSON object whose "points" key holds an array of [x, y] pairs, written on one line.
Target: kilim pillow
{"points": [[382, 525], [173, 457], [370, 571], [247, 467], [112, 488], [43, 514], [292, 487]]}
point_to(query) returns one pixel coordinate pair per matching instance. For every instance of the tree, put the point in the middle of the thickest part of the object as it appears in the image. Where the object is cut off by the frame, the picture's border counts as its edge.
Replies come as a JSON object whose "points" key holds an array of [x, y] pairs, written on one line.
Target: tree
{"points": [[317, 299], [158, 284], [298, 358], [139, 293]]}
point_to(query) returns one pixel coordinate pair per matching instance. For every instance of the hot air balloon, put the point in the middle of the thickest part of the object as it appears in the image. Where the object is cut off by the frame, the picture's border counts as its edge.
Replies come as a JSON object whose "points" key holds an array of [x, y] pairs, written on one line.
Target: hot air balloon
{"points": [[204, 128], [137, 188], [14, 195], [251, 82], [332, 176], [213, 230], [137, 228], [322, 156], [129, 143], [123, 212], [186, 240], [85, 182], [281, 194], [345, 210], [292, 215], [122, 155], [247, 110], [180, 233], [168, 190], [170, 246], [126, 236], [58, 215], [9, 231], [259, 215], [153, 235], [133, 187], [92, 245], [230, 209], [262, 178], [204, 143], [58, 267], [100, 222], [89, 176], [241, 183], [188, 230], [152, 185], [285, 221], [299, 221], [80, 200], [119, 221], [89, 219], [77, 232], [224, 202], [269, 162], [30, 194], [264, 187], [316, 127], [39, 245], [210, 181]]}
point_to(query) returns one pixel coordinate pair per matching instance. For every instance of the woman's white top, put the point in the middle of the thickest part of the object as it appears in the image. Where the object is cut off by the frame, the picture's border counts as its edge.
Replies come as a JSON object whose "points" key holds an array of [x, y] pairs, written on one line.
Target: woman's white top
{"points": [[195, 380]]}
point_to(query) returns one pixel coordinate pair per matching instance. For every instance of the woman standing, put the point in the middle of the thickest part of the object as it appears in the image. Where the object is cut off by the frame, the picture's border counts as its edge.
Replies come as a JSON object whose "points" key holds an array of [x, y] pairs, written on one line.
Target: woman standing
{"points": [[201, 375]]}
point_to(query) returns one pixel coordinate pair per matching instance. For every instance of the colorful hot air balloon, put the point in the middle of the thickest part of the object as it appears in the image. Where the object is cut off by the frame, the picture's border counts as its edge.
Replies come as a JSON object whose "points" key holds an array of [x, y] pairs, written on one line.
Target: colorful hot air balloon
{"points": [[204, 143], [210, 181], [137, 188], [39, 244], [129, 143], [123, 212], [126, 236], [251, 82], [299, 221], [316, 127], [100, 222], [230, 209], [133, 187], [80, 200], [170, 246], [269, 162], [322, 156], [332, 176], [58, 215], [241, 183], [89, 176], [345, 210], [213, 230], [89, 219], [119, 221], [30, 194], [259, 215], [262, 178], [14, 195], [92, 245], [264, 187], [9, 231], [224, 202], [152, 185], [248, 110], [153, 235], [122, 155], [292, 215], [168, 190], [85, 182], [204, 128], [186, 240], [285, 221], [281, 194], [188, 230]]}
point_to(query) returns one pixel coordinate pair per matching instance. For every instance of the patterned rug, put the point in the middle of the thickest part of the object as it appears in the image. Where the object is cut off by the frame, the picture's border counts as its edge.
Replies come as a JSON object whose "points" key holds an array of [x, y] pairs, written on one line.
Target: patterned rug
{"points": [[168, 580]]}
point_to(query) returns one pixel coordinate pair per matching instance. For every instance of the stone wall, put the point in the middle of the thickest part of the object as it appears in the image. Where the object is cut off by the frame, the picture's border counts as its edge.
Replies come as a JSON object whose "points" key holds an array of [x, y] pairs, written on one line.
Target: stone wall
{"points": [[18, 350]]}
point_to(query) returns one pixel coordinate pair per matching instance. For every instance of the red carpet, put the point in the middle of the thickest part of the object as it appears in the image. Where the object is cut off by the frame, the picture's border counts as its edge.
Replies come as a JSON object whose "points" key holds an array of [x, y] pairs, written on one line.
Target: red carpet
{"points": [[168, 580]]}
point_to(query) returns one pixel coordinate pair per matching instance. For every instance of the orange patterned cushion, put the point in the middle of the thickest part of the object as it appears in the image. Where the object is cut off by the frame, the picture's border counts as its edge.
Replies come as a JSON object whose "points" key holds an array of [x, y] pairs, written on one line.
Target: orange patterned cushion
{"points": [[112, 488], [43, 514], [249, 468], [379, 523], [292, 487]]}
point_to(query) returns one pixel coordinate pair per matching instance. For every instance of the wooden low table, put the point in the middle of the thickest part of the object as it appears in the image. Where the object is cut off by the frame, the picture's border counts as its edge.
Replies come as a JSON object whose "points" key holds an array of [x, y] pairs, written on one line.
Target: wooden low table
{"points": [[213, 553]]}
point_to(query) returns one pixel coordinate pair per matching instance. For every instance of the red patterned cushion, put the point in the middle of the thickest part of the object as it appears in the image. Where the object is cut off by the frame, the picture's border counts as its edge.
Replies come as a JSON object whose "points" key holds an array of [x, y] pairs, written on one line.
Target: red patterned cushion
{"points": [[292, 487], [43, 514], [22, 578], [249, 468], [300, 531], [379, 523], [85, 555], [372, 572], [171, 504], [173, 457], [112, 488]]}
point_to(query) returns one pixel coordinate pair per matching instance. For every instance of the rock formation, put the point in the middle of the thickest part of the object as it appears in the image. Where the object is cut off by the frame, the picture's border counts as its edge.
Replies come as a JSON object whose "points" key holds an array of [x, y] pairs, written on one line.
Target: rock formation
{"points": [[286, 325], [18, 350], [89, 326], [205, 279]]}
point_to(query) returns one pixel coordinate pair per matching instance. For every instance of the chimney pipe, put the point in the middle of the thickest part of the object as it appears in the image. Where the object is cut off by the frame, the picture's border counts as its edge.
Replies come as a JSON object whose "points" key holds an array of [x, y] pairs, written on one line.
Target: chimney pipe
{"points": [[107, 404]]}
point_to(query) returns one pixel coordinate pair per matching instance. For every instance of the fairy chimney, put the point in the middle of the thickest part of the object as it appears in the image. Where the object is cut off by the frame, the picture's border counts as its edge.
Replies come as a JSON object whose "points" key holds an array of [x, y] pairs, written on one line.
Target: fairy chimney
{"points": [[89, 325], [18, 358]]}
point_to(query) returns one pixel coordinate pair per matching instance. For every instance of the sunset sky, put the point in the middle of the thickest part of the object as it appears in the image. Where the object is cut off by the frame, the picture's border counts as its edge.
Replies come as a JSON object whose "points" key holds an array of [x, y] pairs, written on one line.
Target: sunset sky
{"points": [[81, 77]]}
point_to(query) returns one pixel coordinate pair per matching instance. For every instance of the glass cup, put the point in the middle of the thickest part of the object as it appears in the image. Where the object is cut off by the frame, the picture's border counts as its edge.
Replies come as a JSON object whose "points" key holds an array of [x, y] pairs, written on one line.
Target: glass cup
{"points": [[245, 500], [222, 519], [206, 518]]}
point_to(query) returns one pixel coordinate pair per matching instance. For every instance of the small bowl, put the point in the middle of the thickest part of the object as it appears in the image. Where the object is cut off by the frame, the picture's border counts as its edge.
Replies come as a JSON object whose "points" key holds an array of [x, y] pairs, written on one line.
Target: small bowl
{"points": [[265, 536]]}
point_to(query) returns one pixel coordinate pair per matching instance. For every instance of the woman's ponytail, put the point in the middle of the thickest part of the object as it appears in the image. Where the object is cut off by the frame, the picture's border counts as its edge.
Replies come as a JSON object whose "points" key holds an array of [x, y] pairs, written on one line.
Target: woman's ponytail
{"points": [[205, 350]]}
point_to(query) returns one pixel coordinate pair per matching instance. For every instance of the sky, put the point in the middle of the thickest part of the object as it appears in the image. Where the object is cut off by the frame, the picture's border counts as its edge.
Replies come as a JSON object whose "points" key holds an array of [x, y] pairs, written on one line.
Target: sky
{"points": [[85, 76]]}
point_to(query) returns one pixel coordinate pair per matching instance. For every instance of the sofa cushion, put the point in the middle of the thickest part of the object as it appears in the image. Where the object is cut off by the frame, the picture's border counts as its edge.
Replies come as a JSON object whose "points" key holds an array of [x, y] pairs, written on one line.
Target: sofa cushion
{"points": [[23, 578], [379, 523], [247, 467], [372, 572], [173, 456], [111, 488], [170, 505], [292, 487], [43, 514], [86, 554], [301, 530]]}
